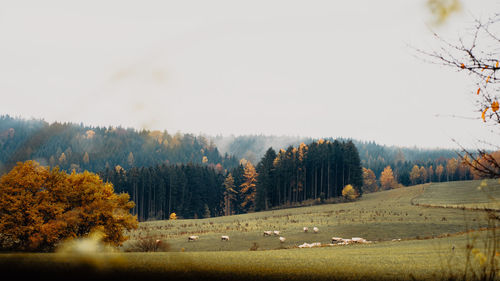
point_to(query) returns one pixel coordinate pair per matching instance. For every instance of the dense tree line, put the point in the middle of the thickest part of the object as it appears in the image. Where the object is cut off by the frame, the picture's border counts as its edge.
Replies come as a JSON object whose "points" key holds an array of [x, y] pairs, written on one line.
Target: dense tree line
{"points": [[316, 171], [190, 191], [79, 147], [373, 156], [186, 174], [411, 173]]}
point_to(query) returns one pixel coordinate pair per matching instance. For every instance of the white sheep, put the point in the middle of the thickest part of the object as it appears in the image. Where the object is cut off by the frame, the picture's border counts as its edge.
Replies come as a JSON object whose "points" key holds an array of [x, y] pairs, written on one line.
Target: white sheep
{"points": [[276, 233], [268, 233], [306, 245], [346, 241], [224, 238], [193, 238], [336, 239], [282, 239], [316, 230], [358, 240], [306, 229]]}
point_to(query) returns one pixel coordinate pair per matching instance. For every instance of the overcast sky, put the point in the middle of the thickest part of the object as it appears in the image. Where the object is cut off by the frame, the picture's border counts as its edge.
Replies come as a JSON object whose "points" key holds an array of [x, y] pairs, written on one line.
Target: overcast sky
{"points": [[308, 68]]}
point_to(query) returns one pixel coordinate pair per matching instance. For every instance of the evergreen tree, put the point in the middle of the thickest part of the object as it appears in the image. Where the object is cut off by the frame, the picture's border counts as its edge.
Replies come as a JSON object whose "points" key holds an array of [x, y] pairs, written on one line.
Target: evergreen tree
{"points": [[229, 195], [265, 180]]}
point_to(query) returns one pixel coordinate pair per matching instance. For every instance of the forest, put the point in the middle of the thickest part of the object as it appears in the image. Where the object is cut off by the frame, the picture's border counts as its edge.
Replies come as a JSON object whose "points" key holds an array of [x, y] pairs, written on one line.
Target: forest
{"points": [[79, 147], [187, 174], [316, 171]]}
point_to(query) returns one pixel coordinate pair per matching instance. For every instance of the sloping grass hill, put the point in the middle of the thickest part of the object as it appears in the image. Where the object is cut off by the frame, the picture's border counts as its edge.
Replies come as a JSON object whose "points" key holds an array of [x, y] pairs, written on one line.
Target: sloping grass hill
{"points": [[381, 216], [464, 194]]}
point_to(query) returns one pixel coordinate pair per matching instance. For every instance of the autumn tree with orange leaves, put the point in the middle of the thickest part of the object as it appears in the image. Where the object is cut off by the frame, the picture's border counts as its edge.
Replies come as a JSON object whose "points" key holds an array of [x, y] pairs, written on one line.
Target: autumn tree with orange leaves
{"points": [[387, 179], [39, 207]]}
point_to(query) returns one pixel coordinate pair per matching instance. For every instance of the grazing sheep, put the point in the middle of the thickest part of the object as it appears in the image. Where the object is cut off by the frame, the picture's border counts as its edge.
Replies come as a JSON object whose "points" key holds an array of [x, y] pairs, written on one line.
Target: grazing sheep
{"points": [[268, 233], [306, 229], [224, 238], [336, 239], [316, 230], [306, 245], [282, 239], [358, 240], [276, 233], [346, 241], [193, 238]]}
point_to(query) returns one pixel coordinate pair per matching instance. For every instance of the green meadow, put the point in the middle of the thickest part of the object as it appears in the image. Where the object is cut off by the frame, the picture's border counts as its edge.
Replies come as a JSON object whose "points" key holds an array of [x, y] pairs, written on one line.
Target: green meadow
{"points": [[417, 233], [380, 216]]}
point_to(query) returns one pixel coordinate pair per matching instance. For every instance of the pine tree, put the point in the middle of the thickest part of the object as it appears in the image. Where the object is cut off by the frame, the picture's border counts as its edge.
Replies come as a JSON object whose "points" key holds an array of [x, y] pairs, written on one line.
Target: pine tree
{"points": [[130, 159], [86, 158], [265, 180], [206, 212], [229, 194]]}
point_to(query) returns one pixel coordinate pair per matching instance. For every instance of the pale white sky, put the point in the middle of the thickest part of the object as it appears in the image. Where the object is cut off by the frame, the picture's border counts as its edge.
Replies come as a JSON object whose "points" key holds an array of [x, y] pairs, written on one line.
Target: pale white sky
{"points": [[308, 68]]}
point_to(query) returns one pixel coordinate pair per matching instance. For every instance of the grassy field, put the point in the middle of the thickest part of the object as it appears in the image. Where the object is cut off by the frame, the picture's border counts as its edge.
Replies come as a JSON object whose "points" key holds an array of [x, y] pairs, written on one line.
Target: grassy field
{"points": [[405, 260], [431, 245], [380, 216], [468, 194]]}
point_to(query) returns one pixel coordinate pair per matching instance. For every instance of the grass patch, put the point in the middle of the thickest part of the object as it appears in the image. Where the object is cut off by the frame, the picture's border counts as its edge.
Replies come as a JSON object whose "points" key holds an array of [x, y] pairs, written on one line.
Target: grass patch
{"points": [[381, 216], [474, 194], [405, 260]]}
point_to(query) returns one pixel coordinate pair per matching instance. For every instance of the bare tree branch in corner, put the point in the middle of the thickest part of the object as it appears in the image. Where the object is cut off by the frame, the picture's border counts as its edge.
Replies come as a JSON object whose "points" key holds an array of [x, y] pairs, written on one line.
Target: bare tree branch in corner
{"points": [[478, 55]]}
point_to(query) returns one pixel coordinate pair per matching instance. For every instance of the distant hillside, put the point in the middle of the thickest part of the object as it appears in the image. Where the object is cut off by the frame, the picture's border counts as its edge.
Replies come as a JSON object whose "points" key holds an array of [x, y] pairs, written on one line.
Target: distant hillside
{"points": [[80, 147], [373, 156], [253, 147]]}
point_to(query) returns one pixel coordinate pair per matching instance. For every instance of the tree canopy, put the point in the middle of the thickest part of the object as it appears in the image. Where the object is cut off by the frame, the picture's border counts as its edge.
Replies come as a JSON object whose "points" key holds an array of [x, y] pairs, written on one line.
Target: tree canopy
{"points": [[39, 207]]}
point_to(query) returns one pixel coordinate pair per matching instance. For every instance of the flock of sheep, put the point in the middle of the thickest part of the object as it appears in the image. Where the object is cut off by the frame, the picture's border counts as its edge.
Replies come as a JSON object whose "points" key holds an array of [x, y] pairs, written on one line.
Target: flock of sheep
{"points": [[335, 240]]}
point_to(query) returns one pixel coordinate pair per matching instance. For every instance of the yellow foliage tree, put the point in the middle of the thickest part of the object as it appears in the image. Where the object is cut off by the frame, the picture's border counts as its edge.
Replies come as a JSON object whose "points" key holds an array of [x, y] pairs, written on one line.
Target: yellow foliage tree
{"points": [[451, 168], [248, 187], [423, 175], [369, 181], [40, 207], [62, 159], [173, 216], [349, 192], [415, 175], [439, 172], [387, 180]]}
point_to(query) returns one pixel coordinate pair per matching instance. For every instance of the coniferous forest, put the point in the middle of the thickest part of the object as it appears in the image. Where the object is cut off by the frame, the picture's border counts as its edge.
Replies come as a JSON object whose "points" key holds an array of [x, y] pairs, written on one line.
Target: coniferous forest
{"points": [[316, 171], [187, 175]]}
